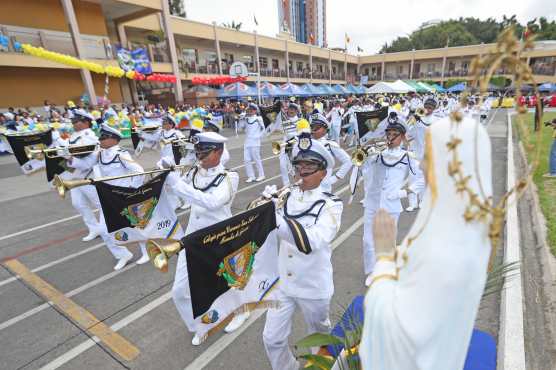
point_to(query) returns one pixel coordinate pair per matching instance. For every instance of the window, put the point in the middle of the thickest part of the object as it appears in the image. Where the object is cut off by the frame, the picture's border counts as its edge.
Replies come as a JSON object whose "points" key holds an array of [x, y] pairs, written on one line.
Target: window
{"points": [[366, 71], [465, 65], [430, 67], [248, 60], [400, 69], [299, 66], [263, 62], [189, 57], [275, 64], [290, 65], [228, 58], [334, 69]]}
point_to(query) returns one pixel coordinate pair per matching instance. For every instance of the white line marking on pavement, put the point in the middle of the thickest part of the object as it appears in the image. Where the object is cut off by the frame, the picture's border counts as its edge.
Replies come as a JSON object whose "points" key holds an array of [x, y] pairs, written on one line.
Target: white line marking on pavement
{"points": [[511, 350], [77, 216], [97, 246], [76, 351]]}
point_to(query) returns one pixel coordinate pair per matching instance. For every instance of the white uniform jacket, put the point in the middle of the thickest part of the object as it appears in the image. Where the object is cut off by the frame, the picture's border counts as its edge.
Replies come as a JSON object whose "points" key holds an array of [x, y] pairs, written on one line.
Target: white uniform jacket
{"points": [[304, 260], [83, 137], [386, 174], [339, 155], [210, 193], [254, 130]]}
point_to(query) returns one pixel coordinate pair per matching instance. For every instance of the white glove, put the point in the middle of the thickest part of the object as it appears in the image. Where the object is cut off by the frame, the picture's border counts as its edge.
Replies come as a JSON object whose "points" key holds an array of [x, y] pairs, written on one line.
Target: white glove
{"points": [[166, 163], [332, 180], [397, 195], [269, 191]]}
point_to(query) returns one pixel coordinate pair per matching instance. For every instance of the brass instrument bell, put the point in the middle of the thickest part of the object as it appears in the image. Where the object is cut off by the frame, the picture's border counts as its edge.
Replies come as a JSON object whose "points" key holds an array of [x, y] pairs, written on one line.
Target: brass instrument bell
{"points": [[160, 251]]}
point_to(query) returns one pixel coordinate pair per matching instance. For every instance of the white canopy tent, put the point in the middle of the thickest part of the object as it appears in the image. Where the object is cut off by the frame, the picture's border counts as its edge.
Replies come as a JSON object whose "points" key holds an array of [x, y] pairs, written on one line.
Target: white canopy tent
{"points": [[382, 88], [402, 87]]}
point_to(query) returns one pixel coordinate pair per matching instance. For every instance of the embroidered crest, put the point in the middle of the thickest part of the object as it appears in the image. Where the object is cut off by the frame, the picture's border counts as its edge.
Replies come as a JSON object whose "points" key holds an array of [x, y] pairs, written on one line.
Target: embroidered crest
{"points": [[210, 317], [121, 236], [139, 214], [305, 143], [372, 123], [237, 267]]}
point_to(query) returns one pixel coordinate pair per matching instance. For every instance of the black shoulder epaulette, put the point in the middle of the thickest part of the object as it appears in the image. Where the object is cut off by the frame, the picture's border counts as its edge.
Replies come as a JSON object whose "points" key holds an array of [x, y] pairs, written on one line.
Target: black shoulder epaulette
{"points": [[334, 197]]}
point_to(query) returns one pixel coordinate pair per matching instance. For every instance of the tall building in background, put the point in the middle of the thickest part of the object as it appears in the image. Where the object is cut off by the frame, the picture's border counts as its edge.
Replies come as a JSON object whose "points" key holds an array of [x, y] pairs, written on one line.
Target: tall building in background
{"points": [[304, 19]]}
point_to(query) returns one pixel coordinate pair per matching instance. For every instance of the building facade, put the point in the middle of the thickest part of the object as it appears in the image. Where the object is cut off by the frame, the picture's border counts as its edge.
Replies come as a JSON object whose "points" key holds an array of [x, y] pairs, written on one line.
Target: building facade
{"points": [[93, 29], [304, 19]]}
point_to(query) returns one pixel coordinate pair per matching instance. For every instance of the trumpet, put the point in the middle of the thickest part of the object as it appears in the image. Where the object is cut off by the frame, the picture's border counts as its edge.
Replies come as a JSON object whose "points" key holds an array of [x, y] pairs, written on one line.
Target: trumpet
{"points": [[148, 129], [280, 195], [277, 146], [175, 142], [360, 154], [417, 116], [62, 186], [73, 150]]}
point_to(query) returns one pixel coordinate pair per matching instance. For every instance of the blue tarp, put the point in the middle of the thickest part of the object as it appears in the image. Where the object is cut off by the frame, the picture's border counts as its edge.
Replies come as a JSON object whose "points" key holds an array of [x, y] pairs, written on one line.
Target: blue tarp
{"points": [[237, 90], [328, 89], [312, 90], [458, 88], [439, 88], [270, 90], [340, 90], [352, 89], [547, 87], [290, 89]]}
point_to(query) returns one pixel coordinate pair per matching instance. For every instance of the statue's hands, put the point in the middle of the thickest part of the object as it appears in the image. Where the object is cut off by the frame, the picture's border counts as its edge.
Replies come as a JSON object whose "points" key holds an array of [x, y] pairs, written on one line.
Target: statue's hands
{"points": [[384, 232]]}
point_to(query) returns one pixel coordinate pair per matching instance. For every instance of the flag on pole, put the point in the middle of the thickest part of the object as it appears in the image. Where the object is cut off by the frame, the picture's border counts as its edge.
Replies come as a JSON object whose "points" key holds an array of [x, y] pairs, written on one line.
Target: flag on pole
{"points": [[359, 50], [32, 141], [137, 214], [255, 19], [369, 121], [232, 267], [347, 39], [312, 38]]}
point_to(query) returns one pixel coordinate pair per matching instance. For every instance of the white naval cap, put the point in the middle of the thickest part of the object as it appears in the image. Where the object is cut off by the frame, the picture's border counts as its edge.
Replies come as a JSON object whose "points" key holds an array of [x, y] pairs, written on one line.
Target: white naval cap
{"points": [[106, 130], [312, 150], [209, 138], [318, 118], [82, 113]]}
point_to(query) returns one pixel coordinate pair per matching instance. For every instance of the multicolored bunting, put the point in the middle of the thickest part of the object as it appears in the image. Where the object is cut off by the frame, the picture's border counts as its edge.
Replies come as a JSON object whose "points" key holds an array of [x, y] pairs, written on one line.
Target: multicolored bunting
{"points": [[111, 71], [218, 80]]}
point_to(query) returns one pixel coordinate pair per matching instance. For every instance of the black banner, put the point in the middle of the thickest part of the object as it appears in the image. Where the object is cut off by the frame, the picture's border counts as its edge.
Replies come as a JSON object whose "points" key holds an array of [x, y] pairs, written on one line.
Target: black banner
{"points": [[55, 166], [270, 112], [135, 140], [40, 140], [179, 152], [129, 207], [223, 254], [369, 121]]}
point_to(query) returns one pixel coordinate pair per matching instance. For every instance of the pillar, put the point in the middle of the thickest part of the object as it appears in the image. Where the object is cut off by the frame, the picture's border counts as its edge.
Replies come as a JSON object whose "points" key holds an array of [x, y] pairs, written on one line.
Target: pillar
{"points": [[178, 91], [217, 45]]}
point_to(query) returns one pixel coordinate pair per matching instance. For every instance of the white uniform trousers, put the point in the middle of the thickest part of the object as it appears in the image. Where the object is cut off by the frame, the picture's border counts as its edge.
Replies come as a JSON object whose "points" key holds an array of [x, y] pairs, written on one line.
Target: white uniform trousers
{"points": [[85, 199], [181, 294], [118, 251], [252, 154], [335, 131], [369, 258], [285, 168], [278, 327], [415, 198]]}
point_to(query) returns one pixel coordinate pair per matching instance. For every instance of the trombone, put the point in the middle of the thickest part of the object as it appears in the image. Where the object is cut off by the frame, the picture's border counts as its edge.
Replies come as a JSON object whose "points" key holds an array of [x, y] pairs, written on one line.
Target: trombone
{"points": [[160, 250], [62, 151], [277, 146], [175, 142], [360, 154], [62, 186]]}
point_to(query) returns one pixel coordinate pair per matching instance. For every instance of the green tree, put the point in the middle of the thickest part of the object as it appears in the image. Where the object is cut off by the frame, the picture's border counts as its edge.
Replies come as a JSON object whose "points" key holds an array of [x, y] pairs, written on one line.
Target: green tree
{"points": [[234, 25], [177, 8]]}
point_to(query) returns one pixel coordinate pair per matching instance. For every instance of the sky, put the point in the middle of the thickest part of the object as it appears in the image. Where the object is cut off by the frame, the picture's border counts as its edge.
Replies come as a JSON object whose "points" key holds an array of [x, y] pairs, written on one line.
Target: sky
{"points": [[368, 23]]}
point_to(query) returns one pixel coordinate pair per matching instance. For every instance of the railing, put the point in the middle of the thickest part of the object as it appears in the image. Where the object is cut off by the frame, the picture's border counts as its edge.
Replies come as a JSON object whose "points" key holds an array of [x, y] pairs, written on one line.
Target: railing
{"points": [[543, 69], [94, 47]]}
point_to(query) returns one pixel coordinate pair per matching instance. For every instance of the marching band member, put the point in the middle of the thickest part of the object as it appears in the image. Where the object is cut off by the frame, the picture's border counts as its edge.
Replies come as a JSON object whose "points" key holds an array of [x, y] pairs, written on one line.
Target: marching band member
{"points": [[111, 160], [254, 130], [307, 224], [319, 128], [289, 127], [84, 199], [210, 190], [215, 125], [335, 117], [169, 133], [385, 175], [416, 136]]}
